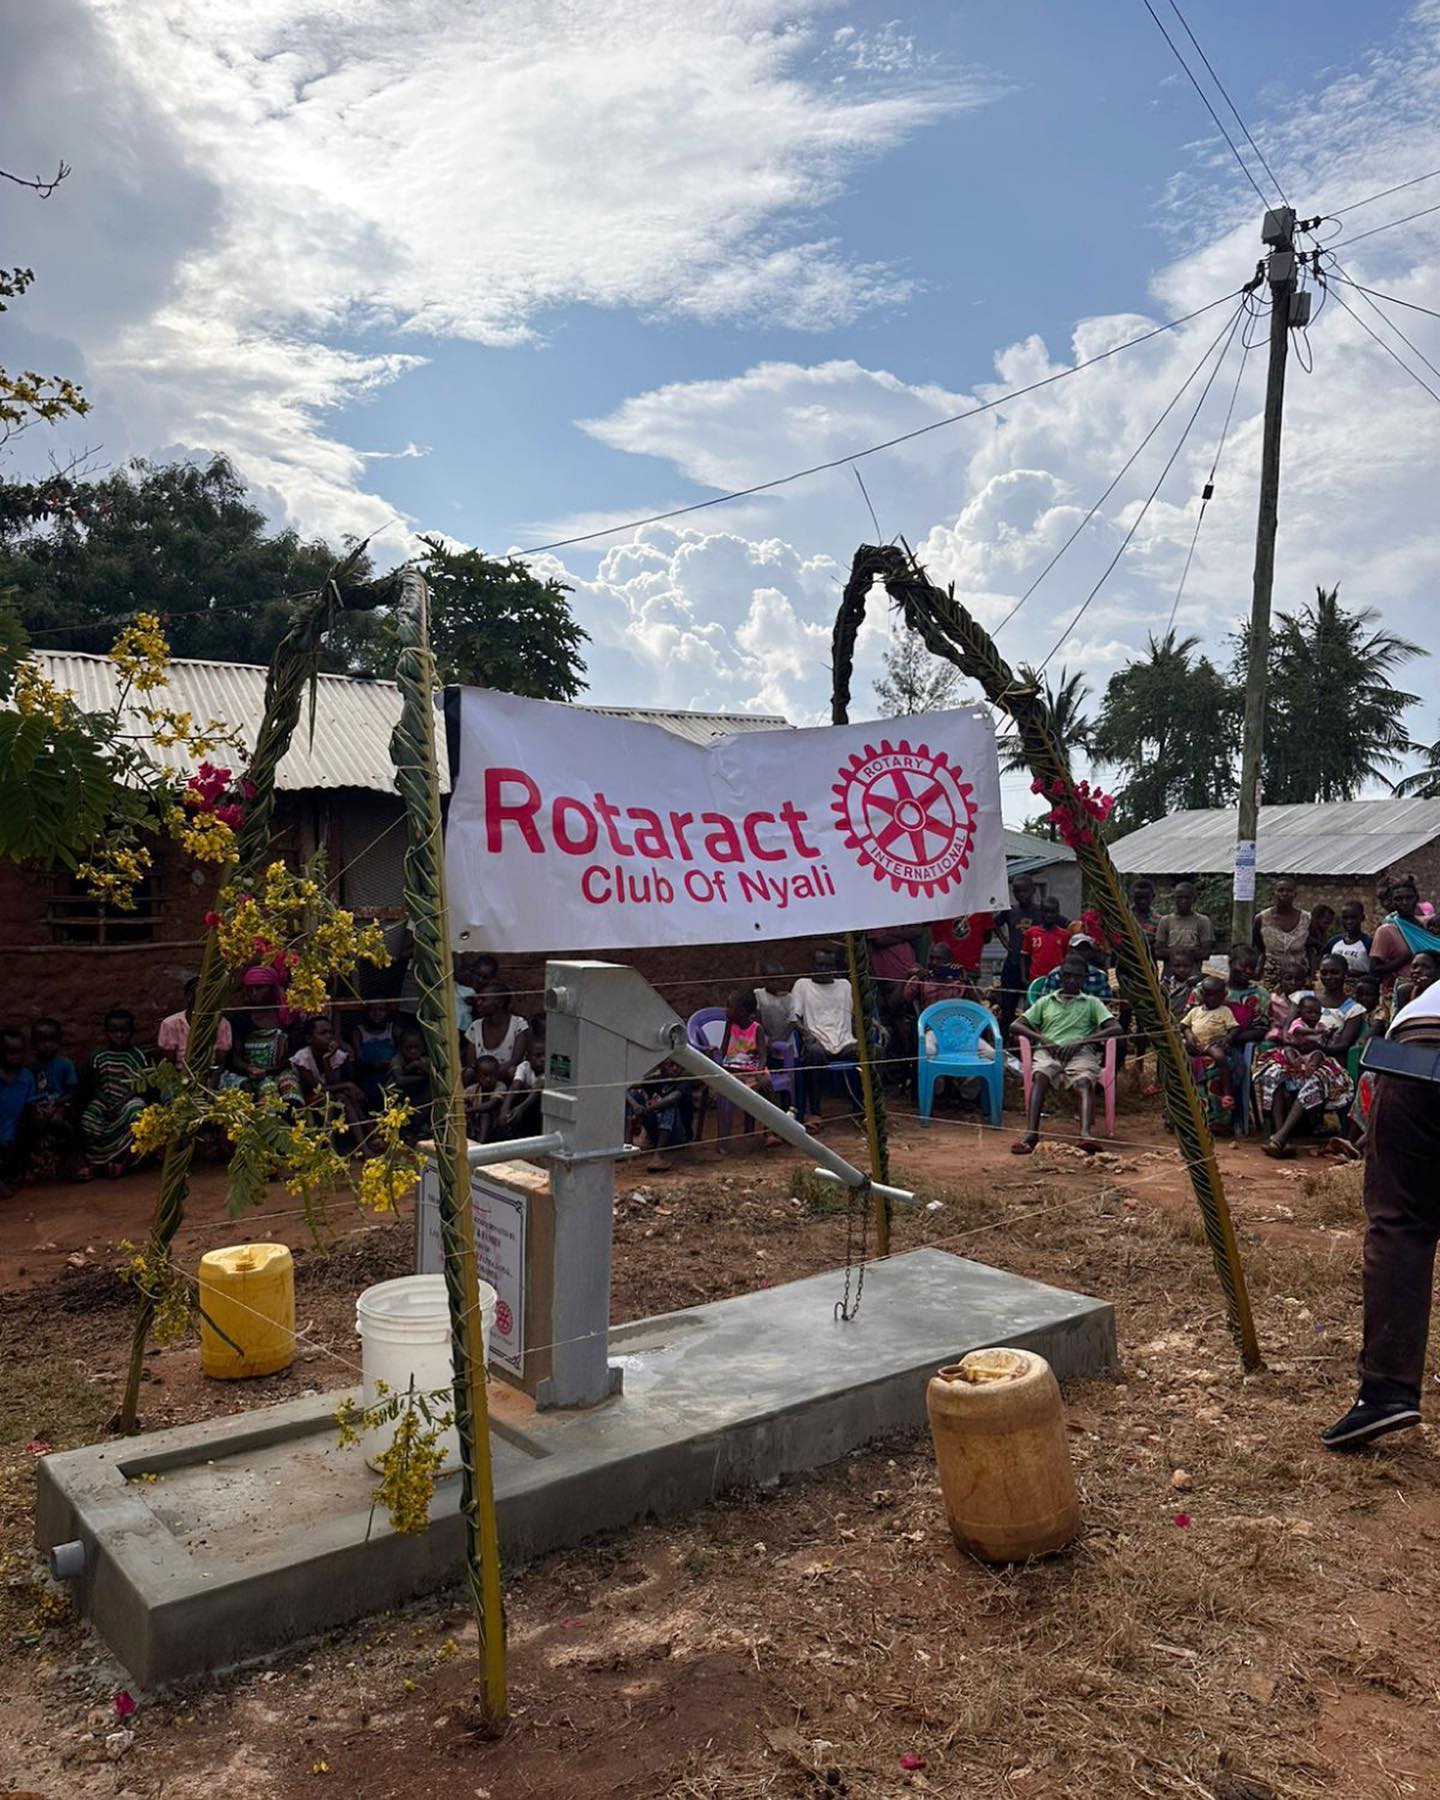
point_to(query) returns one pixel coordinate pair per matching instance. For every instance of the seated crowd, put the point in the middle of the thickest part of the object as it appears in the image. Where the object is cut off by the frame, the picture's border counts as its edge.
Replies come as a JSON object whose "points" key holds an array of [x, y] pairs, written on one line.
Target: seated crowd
{"points": [[1273, 1030], [73, 1121], [1273, 1027]]}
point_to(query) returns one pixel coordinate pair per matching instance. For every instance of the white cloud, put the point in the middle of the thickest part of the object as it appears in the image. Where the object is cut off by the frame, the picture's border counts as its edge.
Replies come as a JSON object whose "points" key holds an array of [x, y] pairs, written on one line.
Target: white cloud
{"points": [[988, 502], [438, 170], [326, 191]]}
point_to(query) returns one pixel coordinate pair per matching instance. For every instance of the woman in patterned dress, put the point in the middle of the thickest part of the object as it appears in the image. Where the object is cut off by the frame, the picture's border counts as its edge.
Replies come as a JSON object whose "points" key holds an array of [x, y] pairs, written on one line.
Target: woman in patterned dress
{"points": [[107, 1123]]}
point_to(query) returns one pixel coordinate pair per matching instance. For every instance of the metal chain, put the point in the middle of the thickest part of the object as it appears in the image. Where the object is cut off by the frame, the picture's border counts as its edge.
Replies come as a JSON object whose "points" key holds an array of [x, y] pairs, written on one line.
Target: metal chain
{"points": [[858, 1197]]}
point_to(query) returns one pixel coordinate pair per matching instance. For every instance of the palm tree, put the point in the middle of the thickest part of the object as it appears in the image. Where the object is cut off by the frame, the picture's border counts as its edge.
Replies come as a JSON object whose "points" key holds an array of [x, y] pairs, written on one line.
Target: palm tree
{"points": [[1065, 702], [1167, 724], [1333, 719], [1424, 783]]}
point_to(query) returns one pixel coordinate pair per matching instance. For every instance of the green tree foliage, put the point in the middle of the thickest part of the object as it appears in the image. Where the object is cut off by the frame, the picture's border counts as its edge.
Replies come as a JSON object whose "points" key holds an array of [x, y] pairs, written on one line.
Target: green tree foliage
{"points": [[914, 680], [1333, 720], [1424, 784], [62, 771], [176, 539], [1065, 699], [1168, 724], [184, 540], [494, 624], [28, 399]]}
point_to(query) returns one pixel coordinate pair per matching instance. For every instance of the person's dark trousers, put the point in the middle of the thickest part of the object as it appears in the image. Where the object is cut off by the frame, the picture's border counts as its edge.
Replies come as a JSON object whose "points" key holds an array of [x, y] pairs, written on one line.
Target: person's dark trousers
{"points": [[817, 1063], [1402, 1207]]}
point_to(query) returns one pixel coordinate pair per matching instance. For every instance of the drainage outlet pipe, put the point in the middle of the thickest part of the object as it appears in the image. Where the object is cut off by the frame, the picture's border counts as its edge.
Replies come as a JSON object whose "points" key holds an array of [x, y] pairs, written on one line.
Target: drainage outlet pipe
{"points": [[67, 1561]]}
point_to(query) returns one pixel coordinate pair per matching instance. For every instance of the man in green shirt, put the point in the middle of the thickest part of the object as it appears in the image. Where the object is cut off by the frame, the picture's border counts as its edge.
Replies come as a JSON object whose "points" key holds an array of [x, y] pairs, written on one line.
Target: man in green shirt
{"points": [[1066, 1031]]}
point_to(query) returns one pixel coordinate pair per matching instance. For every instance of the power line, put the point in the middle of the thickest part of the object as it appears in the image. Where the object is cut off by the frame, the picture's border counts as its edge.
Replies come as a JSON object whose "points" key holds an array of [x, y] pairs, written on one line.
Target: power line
{"points": [[1205, 99], [1385, 318], [1379, 294], [1209, 488], [1169, 464], [1229, 102], [1375, 230], [905, 437], [1116, 479], [1389, 351], [1384, 194]]}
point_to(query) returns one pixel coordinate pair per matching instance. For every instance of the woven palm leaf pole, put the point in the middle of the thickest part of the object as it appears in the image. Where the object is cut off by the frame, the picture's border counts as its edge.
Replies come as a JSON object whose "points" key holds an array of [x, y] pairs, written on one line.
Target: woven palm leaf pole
{"points": [[862, 985], [417, 776], [295, 663], [948, 630]]}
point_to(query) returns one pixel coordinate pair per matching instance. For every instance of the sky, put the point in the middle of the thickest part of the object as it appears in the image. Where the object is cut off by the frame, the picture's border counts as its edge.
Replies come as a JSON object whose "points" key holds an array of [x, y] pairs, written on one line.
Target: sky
{"points": [[513, 271]]}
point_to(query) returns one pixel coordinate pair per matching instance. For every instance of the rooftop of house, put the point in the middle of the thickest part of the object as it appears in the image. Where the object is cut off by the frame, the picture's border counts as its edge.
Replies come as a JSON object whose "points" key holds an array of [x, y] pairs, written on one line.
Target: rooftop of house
{"points": [[1345, 837], [354, 718]]}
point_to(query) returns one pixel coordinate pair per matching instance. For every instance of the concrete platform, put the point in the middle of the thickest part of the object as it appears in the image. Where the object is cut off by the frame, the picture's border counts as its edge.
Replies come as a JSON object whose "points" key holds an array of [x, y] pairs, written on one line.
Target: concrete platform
{"points": [[256, 1532]]}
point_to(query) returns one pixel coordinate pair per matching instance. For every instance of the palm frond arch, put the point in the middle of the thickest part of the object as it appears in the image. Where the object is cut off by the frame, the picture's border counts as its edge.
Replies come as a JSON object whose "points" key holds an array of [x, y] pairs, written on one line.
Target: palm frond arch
{"points": [[950, 631]]}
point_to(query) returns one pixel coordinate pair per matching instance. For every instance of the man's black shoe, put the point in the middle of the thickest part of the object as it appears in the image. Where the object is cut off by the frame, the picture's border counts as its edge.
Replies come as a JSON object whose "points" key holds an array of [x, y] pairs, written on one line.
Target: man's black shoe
{"points": [[1366, 1421]]}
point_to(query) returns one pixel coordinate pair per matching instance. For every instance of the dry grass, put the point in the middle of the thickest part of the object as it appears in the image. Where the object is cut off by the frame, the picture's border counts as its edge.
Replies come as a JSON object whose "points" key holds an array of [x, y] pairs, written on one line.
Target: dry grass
{"points": [[802, 1640]]}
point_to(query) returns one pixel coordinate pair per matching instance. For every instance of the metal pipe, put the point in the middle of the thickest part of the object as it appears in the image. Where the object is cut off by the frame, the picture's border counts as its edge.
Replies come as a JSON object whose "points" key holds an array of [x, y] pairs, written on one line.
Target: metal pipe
{"points": [[784, 1125], [549, 1143]]}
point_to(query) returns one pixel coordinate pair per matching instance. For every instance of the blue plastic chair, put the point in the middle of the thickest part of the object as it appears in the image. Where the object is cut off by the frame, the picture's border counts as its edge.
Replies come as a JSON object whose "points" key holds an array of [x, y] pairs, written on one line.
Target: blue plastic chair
{"points": [[959, 1027]]}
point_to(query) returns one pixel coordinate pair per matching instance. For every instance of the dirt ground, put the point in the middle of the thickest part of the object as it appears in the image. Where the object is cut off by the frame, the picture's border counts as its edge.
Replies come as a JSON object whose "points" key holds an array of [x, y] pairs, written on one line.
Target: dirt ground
{"points": [[1244, 1615]]}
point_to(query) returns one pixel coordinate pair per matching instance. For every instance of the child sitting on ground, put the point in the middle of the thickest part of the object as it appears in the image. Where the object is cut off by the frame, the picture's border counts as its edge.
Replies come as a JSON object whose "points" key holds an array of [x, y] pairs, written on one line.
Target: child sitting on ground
{"points": [[320, 1066], [1206, 1029], [409, 1076], [52, 1141], [521, 1117], [374, 1040], [745, 1053], [484, 1099], [660, 1113]]}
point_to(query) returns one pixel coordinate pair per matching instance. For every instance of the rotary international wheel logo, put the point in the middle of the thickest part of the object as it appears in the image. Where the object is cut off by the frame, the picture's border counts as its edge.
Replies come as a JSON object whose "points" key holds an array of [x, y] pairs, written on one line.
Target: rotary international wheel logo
{"points": [[906, 814]]}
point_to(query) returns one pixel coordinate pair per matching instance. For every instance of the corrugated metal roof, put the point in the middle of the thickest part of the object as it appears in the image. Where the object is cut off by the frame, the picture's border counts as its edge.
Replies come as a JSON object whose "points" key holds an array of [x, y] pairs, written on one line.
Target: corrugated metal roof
{"points": [[1347, 837], [353, 718], [1035, 851]]}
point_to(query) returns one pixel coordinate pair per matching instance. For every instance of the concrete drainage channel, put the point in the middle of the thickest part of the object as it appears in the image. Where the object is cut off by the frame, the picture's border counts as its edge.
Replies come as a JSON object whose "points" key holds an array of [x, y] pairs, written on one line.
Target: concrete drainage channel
{"points": [[256, 1532]]}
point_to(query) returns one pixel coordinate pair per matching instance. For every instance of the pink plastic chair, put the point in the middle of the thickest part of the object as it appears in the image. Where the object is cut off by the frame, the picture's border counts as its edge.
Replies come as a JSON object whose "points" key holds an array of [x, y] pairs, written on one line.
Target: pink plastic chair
{"points": [[1108, 1067]]}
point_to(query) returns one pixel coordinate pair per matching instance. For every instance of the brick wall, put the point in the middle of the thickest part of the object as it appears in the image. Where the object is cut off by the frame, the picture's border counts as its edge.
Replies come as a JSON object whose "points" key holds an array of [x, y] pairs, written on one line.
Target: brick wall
{"points": [[1325, 890], [77, 983], [689, 977]]}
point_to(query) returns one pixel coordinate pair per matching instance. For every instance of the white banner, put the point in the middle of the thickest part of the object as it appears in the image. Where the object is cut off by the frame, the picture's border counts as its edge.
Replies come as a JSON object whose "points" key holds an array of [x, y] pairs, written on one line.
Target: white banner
{"points": [[571, 831]]}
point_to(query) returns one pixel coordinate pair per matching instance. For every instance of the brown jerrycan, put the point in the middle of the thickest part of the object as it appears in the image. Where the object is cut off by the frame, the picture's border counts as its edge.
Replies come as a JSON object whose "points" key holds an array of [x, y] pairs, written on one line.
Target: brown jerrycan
{"points": [[998, 1425]]}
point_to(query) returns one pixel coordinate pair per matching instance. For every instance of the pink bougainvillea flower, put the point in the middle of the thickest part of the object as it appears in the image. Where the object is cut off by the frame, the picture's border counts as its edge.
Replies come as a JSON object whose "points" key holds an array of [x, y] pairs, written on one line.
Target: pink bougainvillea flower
{"points": [[911, 1761], [233, 816], [1182, 1520], [212, 919], [248, 788], [125, 1703]]}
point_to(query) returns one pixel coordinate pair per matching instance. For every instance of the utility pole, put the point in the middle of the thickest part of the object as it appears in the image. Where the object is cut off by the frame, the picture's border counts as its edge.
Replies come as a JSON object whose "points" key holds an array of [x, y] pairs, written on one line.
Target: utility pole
{"points": [[1278, 231]]}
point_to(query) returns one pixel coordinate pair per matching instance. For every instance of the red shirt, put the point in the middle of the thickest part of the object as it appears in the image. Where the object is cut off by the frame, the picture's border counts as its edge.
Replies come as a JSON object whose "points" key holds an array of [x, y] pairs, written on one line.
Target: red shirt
{"points": [[964, 939], [1045, 947]]}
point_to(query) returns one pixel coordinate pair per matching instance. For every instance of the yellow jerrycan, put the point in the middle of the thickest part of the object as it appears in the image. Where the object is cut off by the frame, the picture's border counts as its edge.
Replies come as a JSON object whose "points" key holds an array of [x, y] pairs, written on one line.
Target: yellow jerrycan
{"points": [[248, 1291], [998, 1426]]}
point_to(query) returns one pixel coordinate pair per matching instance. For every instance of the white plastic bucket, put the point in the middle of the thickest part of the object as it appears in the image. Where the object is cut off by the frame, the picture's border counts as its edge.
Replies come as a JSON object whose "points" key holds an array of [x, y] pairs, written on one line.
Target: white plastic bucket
{"points": [[404, 1328]]}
